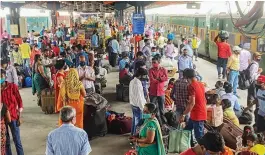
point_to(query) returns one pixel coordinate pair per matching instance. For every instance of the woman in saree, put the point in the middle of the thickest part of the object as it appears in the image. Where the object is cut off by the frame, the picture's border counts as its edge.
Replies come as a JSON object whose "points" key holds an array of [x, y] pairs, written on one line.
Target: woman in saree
{"points": [[149, 141], [72, 93], [39, 78], [59, 77]]}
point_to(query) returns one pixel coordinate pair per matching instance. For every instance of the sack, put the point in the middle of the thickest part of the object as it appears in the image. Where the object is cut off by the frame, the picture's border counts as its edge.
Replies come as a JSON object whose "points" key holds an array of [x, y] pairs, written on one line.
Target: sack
{"points": [[27, 72], [244, 79], [171, 118], [28, 82], [120, 125], [179, 140], [245, 118], [122, 92], [215, 115], [232, 134], [96, 100], [48, 101]]}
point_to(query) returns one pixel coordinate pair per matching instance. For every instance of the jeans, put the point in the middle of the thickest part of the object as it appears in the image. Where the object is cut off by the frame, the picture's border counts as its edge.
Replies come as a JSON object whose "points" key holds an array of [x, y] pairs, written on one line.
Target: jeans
{"points": [[197, 126], [25, 62], [137, 115], [180, 74], [238, 113], [16, 138], [195, 52], [233, 79], [60, 39], [260, 123], [179, 112], [159, 101], [252, 94], [221, 63]]}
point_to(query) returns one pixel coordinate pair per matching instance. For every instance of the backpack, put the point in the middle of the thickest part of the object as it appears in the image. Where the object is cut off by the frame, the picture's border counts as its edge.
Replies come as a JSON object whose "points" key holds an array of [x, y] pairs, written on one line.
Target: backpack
{"points": [[244, 80], [245, 118]]}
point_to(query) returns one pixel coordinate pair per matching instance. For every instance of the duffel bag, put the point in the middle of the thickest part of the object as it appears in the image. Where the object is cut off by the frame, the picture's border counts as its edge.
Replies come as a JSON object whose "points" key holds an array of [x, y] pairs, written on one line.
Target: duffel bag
{"points": [[27, 72], [120, 125], [232, 134], [28, 82], [245, 118], [179, 140]]}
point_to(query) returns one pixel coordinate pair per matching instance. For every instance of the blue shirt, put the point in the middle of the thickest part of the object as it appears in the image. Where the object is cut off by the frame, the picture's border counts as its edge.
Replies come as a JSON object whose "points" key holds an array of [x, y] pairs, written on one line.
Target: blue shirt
{"points": [[234, 101], [189, 49], [94, 40], [59, 33], [68, 140], [115, 46], [122, 63], [184, 62], [261, 100], [77, 58]]}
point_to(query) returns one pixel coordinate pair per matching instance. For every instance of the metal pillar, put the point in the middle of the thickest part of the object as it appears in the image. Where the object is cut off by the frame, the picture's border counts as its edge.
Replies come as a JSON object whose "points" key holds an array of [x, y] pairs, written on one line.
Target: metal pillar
{"points": [[14, 18]]}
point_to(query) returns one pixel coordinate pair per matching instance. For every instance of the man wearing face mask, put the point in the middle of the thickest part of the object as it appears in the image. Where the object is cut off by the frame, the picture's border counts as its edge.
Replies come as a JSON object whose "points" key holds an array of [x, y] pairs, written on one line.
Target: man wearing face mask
{"points": [[255, 72], [184, 61], [188, 47], [147, 53], [210, 144], [233, 66], [158, 77], [11, 73], [16, 57], [86, 75], [125, 44]]}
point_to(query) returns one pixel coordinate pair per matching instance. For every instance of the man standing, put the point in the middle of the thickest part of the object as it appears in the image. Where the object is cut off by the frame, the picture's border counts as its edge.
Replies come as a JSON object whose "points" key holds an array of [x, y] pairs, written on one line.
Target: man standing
{"points": [[114, 50], [170, 36], [184, 61], [195, 45], [161, 43], [125, 44], [180, 95], [170, 50], [196, 105], [245, 59], [261, 101], [25, 52], [11, 97], [255, 72], [94, 39], [233, 66], [86, 75], [47, 63], [59, 34], [79, 53], [11, 73], [147, 53], [158, 77], [68, 139], [224, 52]]}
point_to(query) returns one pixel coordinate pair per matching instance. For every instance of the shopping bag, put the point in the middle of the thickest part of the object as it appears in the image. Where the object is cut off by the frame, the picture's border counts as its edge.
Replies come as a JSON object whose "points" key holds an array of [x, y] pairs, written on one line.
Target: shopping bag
{"points": [[179, 140]]}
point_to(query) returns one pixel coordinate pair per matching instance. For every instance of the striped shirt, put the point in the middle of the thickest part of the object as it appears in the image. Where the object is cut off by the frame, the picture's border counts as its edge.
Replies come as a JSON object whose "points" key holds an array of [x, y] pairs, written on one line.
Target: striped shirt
{"points": [[68, 140]]}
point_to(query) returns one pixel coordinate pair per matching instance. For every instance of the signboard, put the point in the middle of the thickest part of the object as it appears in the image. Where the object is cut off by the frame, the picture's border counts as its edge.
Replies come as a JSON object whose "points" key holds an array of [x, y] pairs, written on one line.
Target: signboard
{"points": [[138, 21], [14, 29]]}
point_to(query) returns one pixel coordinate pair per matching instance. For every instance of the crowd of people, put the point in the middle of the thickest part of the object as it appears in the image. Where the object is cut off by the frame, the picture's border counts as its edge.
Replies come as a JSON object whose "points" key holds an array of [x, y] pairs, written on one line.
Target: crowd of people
{"points": [[70, 70]]}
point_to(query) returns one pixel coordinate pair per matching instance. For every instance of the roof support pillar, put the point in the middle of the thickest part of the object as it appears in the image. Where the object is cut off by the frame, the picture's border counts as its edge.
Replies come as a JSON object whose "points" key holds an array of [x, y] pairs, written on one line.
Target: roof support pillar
{"points": [[14, 18]]}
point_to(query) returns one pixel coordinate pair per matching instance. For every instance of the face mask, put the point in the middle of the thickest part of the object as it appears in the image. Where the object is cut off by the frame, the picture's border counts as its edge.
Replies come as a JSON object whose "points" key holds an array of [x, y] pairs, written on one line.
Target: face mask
{"points": [[16, 49], [82, 63], [155, 65], [258, 60], [185, 54], [154, 53], [2, 80], [146, 116]]}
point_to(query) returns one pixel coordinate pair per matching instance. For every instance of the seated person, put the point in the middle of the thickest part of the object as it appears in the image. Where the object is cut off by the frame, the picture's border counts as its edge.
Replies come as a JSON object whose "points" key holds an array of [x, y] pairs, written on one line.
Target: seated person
{"points": [[125, 76], [168, 101], [139, 59], [228, 112], [257, 142], [125, 60], [233, 99], [155, 51], [211, 143]]}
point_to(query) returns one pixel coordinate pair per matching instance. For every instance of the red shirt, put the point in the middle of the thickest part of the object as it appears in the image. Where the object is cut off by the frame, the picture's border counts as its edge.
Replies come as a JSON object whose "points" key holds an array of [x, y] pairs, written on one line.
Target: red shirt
{"points": [[198, 112], [157, 87], [56, 51], [11, 97], [224, 50], [188, 152], [123, 73]]}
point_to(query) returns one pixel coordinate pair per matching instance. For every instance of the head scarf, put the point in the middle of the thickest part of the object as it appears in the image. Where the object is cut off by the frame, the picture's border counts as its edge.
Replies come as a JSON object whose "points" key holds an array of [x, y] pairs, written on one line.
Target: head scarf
{"points": [[71, 85]]}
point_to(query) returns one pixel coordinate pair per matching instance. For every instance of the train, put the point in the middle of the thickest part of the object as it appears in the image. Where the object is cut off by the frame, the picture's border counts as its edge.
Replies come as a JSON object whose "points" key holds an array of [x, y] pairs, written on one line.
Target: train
{"points": [[207, 28]]}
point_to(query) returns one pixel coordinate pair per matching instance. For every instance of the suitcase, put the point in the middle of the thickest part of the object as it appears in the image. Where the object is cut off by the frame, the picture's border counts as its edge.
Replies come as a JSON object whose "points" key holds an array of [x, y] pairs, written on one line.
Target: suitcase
{"points": [[95, 121], [122, 92], [232, 134], [48, 101], [28, 82], [27, 72], [120, 125]]}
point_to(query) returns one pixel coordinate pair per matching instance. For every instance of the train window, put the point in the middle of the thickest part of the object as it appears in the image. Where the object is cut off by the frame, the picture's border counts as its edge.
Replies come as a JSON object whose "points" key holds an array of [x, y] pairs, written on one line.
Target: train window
{"points": [[231, 39], [202, 34], [212, 35], [261, 44], [191, 30], [245, 42]]}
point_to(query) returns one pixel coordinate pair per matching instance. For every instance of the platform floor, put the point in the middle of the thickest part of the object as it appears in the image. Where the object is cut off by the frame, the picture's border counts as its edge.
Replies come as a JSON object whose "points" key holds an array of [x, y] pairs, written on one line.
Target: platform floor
{"points": [[36, 125]]}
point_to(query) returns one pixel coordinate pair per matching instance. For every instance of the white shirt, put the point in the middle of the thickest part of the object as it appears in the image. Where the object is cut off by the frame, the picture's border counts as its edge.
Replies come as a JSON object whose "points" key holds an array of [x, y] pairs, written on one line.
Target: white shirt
{"points": [[245, 56], [88, 72], [125, 45], [141, 44], [136, 93]]}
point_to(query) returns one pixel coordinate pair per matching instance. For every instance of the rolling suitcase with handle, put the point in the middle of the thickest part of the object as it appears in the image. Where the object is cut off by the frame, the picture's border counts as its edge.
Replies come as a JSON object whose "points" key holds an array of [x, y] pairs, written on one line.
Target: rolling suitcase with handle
{"points": [[48, 101]]}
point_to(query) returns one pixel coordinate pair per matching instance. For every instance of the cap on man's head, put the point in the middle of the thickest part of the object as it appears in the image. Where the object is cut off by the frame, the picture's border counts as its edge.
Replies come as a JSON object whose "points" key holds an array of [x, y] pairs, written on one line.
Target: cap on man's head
{"points": [[261, 79], [256, 54], [237, 48]]}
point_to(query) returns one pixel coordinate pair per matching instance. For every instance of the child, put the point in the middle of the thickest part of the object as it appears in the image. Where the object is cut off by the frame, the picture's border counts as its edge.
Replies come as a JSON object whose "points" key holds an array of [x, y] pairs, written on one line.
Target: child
{"points": [[169, 103], [246, 131], [229, 112], [257, 143]]}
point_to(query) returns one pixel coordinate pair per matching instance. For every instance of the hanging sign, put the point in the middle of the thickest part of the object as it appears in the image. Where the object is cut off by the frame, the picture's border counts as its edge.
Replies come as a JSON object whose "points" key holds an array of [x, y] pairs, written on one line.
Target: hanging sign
{"points": [[138, 23]]}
